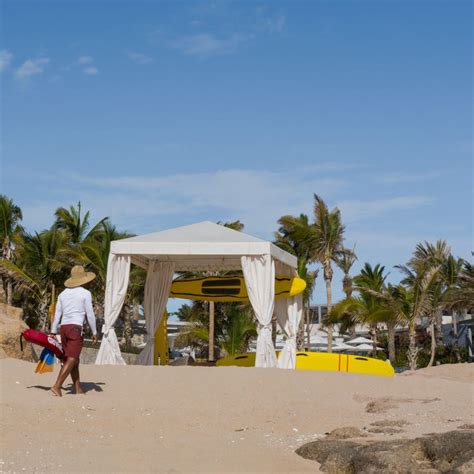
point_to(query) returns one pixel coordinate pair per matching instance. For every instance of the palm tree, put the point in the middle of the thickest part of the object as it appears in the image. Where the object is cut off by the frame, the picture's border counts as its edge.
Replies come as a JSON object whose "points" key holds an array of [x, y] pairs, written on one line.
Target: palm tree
{"points": [[369, 283], [425, 257], [411, 302], [234, 225], [461, 294], [93, 251], [239, 331], [42, 264], [297, 236], [328, 245], [344, 261], [458, 297], [364, 309], [77, 226], [10, 234]]}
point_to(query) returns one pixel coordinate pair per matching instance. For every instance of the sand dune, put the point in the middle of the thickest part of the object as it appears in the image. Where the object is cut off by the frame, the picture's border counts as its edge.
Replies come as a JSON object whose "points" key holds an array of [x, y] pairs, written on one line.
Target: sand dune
{"points": [[201, 419]]}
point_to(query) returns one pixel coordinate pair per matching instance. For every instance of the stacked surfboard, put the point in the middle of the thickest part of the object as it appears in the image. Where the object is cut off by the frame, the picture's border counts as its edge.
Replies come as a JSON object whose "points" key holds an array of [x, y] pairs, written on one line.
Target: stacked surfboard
{"points": [[321, 361], [230, 288]]}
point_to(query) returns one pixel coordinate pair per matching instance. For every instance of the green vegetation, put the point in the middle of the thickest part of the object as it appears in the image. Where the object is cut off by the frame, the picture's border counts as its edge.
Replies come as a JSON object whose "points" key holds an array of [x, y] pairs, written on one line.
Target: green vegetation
{"points": [[34, 266]]}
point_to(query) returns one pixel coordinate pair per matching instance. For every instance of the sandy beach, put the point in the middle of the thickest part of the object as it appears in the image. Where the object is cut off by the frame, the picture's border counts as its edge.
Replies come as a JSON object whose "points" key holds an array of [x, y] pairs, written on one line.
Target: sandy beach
{"points": [[201, 419]]}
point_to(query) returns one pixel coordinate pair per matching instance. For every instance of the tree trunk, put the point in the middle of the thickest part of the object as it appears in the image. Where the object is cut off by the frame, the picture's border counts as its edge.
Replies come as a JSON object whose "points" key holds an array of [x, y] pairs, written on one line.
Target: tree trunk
{"points": [[3, 295], [456, 337], [127, 326], [439, 328], [211, 331], [391, 341], [44, 313], [433, 344], [347, 285], [412, 354], [136, 310], [300, 336], [307, 314], [329, 305], [374, 340], [9, 293]]}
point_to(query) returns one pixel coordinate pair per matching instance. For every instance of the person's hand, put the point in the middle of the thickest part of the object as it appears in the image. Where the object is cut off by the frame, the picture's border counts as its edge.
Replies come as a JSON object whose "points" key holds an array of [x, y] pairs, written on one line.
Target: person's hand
{"points": [[94, 338]]}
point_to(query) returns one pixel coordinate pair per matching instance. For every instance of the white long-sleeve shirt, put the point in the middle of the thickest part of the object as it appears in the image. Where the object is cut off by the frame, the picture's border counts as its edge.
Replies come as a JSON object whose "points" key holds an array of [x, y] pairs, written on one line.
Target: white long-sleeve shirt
{"points": [[73, 305]]}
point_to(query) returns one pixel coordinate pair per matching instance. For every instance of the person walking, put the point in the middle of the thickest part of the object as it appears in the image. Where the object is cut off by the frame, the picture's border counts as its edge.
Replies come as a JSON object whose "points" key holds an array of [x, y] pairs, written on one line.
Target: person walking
{"points": [[73, 306]]}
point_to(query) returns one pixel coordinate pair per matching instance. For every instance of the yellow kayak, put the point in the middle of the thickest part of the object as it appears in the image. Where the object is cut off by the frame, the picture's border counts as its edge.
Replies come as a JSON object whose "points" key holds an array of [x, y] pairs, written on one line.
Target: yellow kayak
{"points": [[230, 288], [321, 361]]}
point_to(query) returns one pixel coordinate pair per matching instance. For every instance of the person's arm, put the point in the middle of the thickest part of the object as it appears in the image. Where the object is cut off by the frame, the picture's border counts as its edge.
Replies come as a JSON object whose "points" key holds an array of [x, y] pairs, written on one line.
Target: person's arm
{"points": [[57, 316], [90, 313]]}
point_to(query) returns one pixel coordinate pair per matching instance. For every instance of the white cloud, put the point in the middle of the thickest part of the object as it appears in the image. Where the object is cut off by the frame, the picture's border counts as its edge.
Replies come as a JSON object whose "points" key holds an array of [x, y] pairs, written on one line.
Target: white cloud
{"points": [[90, 71], [31, 67], [206, 44], [353, 210], [85, 60], [258, 198], [140, 58], [5, 59]]}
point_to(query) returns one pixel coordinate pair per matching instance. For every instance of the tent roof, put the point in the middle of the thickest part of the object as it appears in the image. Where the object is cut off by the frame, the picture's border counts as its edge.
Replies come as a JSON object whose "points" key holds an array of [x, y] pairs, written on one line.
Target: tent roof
{"points": [[359, 340], [364, 347], [198, 247]]}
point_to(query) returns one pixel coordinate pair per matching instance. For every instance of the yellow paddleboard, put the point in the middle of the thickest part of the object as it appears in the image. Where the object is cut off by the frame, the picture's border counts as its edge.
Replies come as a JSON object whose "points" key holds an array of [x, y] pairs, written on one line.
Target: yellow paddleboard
{"points": [[230, 288], [321, 361]]}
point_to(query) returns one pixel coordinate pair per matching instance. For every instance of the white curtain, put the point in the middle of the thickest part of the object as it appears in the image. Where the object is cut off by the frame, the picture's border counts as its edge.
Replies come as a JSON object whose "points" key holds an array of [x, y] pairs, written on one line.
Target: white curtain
{"points": [[259, 274], [289, 312], [118, 272], [157, 289]]}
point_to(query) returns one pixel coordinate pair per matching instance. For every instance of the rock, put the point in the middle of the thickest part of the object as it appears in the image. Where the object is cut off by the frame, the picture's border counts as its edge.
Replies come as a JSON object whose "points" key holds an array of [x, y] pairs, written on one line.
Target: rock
{"points": [[11, 311], [391, 423], [466, 426], [385, 430], [446, 452], [380, 405], [11, 327], [3, 354], [346, 432]]}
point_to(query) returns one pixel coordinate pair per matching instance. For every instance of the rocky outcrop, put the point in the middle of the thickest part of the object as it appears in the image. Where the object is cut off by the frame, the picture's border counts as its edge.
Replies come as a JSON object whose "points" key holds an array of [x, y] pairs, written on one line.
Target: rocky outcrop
{"points": [[11, 326], [435, 453]]}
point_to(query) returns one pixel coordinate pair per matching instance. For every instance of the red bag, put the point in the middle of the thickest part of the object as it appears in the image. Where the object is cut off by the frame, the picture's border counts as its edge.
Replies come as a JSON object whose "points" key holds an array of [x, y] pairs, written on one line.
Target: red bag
{"points": [[44, 340]]}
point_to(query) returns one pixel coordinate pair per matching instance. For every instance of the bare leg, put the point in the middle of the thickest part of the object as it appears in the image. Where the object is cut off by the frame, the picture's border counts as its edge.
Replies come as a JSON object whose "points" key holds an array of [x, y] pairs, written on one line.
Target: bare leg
{"points": [[63, 374], [75, 379]]}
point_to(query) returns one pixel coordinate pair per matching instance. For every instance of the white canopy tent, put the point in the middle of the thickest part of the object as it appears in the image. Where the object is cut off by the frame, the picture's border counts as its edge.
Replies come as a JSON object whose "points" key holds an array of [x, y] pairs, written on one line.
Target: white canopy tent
{"points": [[204, 246], [359, 340], [365, 348]]}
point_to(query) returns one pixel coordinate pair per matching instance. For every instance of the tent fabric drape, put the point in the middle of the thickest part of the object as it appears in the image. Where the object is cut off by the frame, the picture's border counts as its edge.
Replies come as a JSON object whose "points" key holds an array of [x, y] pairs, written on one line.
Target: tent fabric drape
{"points": [[157, 289], [259, 274], [118, 273], [289, 312]]}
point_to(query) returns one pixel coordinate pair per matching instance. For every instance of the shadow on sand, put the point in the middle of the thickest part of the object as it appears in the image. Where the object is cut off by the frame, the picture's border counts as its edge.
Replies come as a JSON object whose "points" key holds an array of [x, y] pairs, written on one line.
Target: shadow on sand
{"points": [[86, 386]]}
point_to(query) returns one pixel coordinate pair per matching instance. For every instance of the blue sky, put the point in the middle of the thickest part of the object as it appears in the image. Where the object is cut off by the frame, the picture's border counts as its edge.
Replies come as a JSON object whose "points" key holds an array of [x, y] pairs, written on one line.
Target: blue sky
{"points": [[161, 114]]}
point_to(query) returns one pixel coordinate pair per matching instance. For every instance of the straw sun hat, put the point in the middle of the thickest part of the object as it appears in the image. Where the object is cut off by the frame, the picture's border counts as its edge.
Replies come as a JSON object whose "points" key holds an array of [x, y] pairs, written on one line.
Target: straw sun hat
{"points": [[78, 277]]}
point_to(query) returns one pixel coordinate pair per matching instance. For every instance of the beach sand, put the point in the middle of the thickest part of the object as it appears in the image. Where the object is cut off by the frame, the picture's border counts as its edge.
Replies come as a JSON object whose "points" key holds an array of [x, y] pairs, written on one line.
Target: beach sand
{"points": [[207, 419]]}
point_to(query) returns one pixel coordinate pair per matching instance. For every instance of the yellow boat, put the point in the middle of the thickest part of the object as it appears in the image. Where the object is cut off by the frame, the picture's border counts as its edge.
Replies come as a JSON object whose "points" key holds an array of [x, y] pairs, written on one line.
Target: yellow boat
{"points": [[230, 288], [321, 361]]}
